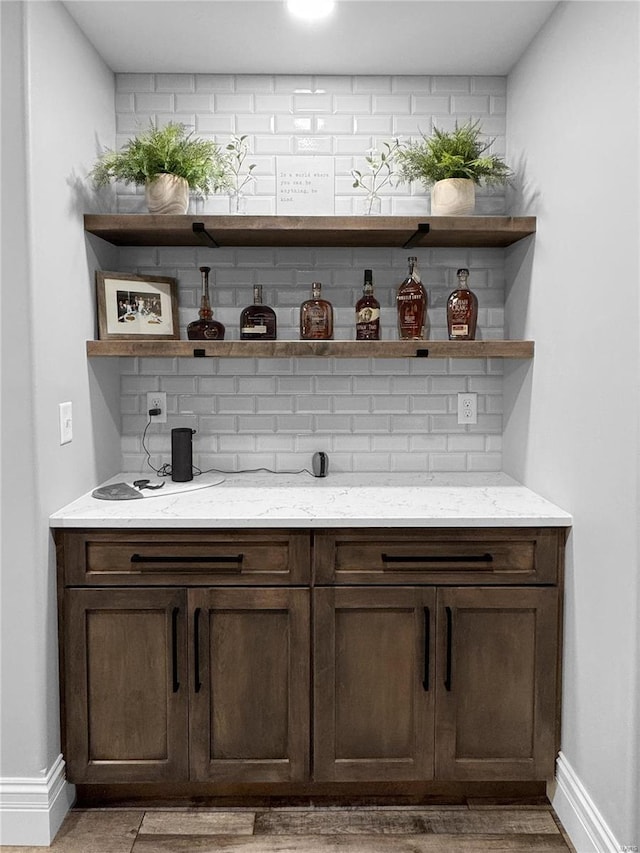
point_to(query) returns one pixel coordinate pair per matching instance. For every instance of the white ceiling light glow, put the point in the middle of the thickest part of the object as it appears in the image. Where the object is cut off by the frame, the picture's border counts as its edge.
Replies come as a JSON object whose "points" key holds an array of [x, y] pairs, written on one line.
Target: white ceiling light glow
{"points": [[310, 10]]}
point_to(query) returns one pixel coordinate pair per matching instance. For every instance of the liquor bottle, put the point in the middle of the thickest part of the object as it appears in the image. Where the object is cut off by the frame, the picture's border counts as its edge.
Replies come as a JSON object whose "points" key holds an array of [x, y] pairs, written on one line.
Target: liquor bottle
{"points": [[411, 302], [316, 317], [258, 321], [462, 311], [367, 312], [206, 328]]}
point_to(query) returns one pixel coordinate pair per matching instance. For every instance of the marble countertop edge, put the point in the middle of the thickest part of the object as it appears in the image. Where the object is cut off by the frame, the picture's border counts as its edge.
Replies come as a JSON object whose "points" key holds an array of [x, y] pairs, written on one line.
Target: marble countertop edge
{"points": [[263, 500]]}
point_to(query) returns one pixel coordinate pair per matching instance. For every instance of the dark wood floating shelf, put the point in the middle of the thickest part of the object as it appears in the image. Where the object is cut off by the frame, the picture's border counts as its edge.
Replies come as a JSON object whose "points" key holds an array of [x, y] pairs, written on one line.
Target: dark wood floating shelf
{"points": [[317, 349], [310, 231]]}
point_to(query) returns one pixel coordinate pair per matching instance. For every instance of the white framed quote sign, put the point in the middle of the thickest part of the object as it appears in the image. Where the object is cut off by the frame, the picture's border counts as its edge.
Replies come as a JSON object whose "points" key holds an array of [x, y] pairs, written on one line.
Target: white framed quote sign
{"points": [[305, 186]]}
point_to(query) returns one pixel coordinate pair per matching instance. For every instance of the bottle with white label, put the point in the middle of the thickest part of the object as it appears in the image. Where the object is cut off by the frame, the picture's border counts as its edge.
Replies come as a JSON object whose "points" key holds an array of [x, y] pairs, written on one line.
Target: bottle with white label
{"points": [[411, 302], [258, 321], [367, 312], [462, 310]]}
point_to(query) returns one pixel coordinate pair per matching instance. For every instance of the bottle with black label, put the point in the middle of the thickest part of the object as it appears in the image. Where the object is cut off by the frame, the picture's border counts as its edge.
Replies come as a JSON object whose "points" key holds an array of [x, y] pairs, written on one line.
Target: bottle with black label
{"points": [[258, 321], [462, 310], [367, 312]]}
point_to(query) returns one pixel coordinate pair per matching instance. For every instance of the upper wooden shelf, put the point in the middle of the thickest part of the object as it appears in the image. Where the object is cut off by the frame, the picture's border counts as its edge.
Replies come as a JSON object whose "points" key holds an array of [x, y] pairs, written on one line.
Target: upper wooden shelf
{"points": [[318, 349], [310, 231]]}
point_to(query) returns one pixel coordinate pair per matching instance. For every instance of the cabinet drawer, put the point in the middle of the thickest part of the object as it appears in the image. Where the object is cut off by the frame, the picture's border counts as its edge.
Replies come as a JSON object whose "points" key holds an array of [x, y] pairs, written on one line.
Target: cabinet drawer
{"points": [[397, 556], [105, 557]]}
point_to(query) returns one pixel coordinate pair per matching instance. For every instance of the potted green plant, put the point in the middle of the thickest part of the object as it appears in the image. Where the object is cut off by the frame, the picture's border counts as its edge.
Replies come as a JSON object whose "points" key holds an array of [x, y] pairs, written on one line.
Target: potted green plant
{"points": [[169, 162], [452, 163]]}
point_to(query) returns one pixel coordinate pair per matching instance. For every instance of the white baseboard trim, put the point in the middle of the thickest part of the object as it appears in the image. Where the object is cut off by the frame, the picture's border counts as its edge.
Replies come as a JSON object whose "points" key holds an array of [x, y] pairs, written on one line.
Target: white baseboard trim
{"points": [[578, 814], [32, 809]]}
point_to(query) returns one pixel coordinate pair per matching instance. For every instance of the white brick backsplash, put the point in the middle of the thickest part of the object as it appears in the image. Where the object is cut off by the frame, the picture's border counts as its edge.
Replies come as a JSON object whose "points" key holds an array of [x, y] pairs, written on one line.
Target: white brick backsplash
{"points": [[193, 103], [214, 83], [450, 84], [475, 105], [135, 82], [216, 124], [154, 102], [274, 104], [253, 83], [233, 103], [368, 414]]}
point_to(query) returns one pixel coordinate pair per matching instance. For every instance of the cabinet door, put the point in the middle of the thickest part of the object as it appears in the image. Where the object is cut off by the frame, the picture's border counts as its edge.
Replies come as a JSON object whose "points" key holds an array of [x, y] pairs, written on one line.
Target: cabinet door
{"points": [[496, 683], [125, 685], [373, 683], [250, 684]]}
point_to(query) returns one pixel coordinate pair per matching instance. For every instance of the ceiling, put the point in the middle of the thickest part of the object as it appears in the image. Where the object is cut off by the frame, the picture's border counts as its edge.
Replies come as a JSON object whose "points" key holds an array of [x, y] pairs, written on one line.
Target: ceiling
{"points": [[360, 37]]}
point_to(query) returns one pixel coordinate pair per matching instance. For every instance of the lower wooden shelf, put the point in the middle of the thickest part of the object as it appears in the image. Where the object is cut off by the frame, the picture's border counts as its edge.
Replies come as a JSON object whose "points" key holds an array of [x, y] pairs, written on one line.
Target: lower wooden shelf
{"points": [[314, 349]]}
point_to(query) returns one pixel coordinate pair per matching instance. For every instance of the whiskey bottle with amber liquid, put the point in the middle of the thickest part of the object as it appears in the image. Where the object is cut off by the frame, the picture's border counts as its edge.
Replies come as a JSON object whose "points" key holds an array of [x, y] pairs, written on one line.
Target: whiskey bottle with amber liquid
{"points": [[206, 328], [411, 302], [316, 316], [367, 312], [258, 321], [462, 310]]}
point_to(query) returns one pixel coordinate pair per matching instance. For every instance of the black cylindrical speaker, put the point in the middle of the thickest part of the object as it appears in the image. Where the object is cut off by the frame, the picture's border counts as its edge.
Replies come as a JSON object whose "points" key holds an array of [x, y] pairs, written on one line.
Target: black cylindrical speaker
{"points": [[181, 455]]}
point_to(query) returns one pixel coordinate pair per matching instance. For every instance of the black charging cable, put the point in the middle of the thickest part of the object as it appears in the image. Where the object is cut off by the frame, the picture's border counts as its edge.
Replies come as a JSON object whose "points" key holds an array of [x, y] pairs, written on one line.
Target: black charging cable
{"points": [[165, 470]]}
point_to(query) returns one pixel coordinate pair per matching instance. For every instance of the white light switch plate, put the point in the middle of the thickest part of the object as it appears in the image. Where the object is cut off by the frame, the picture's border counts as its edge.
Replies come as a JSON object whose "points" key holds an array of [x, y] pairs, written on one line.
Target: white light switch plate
{"points": [[65, 412]]}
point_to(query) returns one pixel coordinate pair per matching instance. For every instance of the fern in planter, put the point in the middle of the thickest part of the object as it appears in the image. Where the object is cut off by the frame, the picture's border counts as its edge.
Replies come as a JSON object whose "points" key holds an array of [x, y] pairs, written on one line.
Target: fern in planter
{"points": [[452, 154], [168, 150]]}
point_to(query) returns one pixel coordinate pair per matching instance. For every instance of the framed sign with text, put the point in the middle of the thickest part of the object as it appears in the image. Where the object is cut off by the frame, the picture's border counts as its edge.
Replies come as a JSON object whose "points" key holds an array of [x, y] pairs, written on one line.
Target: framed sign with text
{"points": [[305, 186]]}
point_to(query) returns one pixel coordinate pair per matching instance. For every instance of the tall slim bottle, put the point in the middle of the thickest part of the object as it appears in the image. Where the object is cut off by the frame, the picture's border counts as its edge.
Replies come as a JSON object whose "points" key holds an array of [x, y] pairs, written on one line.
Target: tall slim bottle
{"points": [[462, 310], [206, 328], [411, 302], [367, 312]]}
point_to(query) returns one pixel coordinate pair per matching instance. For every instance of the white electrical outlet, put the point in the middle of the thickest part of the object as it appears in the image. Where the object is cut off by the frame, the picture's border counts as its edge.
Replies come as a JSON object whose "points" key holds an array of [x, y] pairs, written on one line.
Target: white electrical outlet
{"points": [[65, 416], [467, 408], [157, 400]]}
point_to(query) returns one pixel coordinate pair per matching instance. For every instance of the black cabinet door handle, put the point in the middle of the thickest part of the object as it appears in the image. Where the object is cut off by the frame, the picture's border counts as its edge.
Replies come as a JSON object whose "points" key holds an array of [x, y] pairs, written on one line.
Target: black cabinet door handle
{"points": [[427, 648], [196, 649], [437, 558], [447, 676], [167, 558], [174, 648]]}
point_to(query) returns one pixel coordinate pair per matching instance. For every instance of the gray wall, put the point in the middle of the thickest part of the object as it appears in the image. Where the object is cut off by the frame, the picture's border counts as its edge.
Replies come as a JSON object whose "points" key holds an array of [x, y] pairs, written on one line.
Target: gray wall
{"points": [[571, 427], [56, 95]]}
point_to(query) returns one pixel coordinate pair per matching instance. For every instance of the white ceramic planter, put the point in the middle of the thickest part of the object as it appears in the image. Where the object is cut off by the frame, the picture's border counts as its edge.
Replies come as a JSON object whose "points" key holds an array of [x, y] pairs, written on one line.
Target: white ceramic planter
{"points": [[167, 194], [453, 197]]}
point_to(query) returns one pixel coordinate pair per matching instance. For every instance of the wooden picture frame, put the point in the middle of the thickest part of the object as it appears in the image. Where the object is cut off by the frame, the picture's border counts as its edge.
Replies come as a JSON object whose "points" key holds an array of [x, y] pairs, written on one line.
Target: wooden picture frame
{"points": [[131, 307]]}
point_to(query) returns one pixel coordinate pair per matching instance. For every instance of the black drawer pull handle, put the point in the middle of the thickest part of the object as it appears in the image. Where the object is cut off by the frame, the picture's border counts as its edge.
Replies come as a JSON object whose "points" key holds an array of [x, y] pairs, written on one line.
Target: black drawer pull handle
{"points": [[447, 676], [427, 648], [196, 649], [174, 648], [149, 558], [438, 558]]}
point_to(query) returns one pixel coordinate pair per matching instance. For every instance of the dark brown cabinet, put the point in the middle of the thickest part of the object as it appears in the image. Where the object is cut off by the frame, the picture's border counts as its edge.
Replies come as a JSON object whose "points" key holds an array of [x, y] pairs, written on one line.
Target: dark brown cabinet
{"points": [[423, 683], [373, 717], [172, 685], [310, 658], [125, 690], [249, 701], [496, 683]]}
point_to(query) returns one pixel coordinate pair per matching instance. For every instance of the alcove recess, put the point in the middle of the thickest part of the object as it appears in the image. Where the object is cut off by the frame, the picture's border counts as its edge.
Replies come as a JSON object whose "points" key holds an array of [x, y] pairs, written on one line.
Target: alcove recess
{"points": [[312, 232]]}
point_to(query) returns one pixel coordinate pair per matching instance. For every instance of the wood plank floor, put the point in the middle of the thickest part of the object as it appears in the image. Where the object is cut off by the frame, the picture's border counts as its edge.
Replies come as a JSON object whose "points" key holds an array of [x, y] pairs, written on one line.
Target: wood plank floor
{"points": [[471, 828]]}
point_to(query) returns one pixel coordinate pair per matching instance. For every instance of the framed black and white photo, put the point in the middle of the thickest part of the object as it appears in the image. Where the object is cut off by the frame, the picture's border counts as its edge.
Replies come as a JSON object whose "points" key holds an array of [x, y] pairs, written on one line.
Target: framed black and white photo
{"points": [[137, 306]]}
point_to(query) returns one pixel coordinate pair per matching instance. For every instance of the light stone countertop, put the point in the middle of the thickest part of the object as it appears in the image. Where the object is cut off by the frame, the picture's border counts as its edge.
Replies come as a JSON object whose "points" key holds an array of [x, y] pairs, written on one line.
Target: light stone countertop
{"points": [[261, 500]]}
